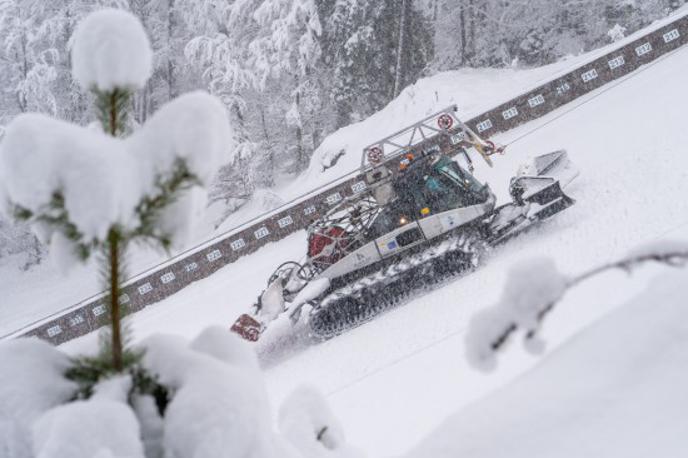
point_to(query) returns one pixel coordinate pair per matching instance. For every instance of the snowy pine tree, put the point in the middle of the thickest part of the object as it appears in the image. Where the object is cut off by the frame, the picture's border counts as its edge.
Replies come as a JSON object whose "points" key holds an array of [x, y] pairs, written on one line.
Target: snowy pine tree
{"points": [[374, 49], [85, 193]]}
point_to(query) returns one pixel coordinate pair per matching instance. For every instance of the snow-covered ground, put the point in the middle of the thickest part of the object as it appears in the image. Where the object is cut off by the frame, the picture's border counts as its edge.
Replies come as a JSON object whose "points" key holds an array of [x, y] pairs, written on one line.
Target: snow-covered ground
{"points": [[615, 390], [394, 380]]}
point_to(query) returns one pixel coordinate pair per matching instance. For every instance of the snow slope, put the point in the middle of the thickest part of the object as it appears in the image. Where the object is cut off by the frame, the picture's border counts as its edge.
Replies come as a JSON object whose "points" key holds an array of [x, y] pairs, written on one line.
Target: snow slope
{"points": [[615, 390], [393, 380]]}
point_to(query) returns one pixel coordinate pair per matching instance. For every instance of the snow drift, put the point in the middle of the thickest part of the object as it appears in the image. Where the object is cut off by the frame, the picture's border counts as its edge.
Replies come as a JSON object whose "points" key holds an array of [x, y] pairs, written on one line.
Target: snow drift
{"points": [[615, 390]]}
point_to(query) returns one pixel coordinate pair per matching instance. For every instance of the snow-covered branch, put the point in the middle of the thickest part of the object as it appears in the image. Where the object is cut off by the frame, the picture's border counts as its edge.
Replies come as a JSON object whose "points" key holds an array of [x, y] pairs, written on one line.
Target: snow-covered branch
{"points": [[534, 289]]}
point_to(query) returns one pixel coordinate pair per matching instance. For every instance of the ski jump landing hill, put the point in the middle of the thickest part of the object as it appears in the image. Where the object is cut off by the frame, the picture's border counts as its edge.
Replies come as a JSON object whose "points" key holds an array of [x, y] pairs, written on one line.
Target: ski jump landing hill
{"points": [[202, 261]]}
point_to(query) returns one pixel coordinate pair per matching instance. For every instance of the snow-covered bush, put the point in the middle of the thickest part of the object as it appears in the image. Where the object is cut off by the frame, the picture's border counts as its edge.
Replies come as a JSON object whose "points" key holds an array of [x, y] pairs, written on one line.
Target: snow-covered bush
{"points": [[103, 426], [533, 289], [214, 405], [617, 33], [307, 422], [31, 382], [20, 243], [111, 51]]}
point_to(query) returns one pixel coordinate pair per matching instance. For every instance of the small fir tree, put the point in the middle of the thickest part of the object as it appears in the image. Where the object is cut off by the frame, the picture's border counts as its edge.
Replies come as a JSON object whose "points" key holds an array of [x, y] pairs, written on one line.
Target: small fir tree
{"points": [[155, 178]]}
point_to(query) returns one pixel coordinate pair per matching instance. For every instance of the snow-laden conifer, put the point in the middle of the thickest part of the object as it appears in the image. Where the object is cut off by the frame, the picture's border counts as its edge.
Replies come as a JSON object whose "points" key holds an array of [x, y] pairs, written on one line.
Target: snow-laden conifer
{"points": [[86, 191]]}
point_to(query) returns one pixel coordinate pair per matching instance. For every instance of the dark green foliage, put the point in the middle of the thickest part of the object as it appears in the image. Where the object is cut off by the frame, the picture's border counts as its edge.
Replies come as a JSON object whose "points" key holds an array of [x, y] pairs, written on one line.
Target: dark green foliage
{"points": [[112, 110], [21, 213], [150, 208], [146, 384], [86, 372], [360, 47], [56, 217]]}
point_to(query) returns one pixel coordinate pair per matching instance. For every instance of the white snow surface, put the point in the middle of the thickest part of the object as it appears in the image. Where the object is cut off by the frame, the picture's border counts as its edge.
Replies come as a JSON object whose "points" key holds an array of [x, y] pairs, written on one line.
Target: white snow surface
{"points": [[307, 421], [151, 425], [532, 285], [110, 50], [615, 390], [227, 347], [102, 426], [193, 128], [31, 383]]}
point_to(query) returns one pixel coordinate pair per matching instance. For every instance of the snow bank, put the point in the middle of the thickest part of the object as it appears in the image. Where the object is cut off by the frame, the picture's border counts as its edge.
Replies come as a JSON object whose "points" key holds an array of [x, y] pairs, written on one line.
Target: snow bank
{"points": [[31, 382], [111, 50], [193, 127], [311, 291], [307, 422], [531, 287], [617, 389], [151, 425], [103, 426], [219, 408], [227, 347], [40, 155]]}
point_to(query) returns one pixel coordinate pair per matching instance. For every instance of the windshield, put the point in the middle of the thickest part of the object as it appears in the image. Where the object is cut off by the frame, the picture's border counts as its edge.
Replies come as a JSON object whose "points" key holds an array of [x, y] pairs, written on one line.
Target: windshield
{"points": [[451, 169]]}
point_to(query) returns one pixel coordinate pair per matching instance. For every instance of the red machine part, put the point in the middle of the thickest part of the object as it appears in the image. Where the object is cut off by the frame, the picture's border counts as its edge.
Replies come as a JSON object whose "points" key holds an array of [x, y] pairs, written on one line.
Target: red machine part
{"points": [[318, 241], [247, 327], [375, 155], [445, 121]]}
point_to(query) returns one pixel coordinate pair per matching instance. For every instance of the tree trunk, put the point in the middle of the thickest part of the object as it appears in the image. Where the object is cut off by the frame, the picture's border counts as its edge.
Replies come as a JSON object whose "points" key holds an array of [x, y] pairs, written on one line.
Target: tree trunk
{"points": [[114, 261], [462, 26], [115, 315], [399, 73], [271, 152], [300, 160], [299, 142], [171, 83], [471, 30]]}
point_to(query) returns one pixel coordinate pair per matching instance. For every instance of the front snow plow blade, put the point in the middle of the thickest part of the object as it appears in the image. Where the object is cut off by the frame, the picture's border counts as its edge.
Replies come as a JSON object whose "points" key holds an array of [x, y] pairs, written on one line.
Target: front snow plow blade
{"points": [[555, 165], [554, 171], [548, 200], [537, 193]]}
